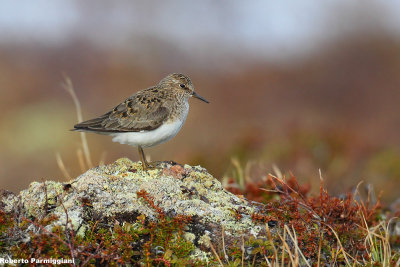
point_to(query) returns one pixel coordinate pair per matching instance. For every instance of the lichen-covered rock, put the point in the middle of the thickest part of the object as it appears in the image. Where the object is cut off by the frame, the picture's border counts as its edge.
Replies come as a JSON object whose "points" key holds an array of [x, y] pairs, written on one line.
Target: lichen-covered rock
{"points": [[112, 193]]}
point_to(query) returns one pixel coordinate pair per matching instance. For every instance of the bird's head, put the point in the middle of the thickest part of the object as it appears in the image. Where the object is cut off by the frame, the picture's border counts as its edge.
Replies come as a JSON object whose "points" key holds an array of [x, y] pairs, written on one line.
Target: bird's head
{"points": [[182, 83]]}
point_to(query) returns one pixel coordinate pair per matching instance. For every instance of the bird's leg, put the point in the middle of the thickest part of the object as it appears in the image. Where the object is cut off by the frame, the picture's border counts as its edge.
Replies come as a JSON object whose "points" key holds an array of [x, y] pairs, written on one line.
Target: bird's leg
{"points": [[145, 164]]}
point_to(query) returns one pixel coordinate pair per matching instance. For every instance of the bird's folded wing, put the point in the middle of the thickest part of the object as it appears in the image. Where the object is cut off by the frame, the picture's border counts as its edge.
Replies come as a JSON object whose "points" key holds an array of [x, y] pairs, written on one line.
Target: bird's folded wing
{"points": [[133, 115]]}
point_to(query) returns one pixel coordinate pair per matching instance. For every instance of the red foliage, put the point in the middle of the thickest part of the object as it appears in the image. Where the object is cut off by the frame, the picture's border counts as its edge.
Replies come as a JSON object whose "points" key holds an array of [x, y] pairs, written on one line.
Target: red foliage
{"points": [[314, 218], [150, 200]]}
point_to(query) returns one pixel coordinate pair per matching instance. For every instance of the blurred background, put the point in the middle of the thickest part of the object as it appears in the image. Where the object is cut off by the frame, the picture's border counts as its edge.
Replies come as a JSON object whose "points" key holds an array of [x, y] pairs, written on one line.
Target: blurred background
{"points": [[305, 86]]}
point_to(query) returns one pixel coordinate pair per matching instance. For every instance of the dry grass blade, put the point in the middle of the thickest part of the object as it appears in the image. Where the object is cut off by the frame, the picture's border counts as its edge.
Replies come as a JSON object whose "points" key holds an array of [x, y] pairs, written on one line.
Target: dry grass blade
{"points": [[81, 160], [387, 239], [277, 171], [286, 245], [242, 251], [319, 249], [61, 165], [267, 261], [374, 238], [357, 191], [67, 85], [239, 172], [102, 158], [377, 241], [297, 248], [216, 254], [223, 244], [283, 249], [341, 246], [272, 243]]}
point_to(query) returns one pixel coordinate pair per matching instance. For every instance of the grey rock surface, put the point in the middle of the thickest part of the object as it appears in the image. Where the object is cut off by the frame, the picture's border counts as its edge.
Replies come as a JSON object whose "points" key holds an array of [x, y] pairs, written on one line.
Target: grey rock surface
{"points": [[109, 193]]}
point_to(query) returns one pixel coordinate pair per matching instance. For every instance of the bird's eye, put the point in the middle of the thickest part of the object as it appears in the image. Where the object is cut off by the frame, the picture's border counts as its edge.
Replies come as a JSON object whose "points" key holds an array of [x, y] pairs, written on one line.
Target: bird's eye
{"points": [[182, 85]]}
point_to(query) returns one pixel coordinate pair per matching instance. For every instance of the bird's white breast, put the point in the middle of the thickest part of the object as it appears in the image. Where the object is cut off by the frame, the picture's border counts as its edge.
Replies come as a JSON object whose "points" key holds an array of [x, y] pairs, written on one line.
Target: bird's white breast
{"points": [[149, 138], [154, 137]]}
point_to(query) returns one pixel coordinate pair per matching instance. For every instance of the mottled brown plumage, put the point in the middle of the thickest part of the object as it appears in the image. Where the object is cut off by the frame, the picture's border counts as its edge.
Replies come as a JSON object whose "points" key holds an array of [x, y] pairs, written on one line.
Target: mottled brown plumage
{"points": [[145, 112]]}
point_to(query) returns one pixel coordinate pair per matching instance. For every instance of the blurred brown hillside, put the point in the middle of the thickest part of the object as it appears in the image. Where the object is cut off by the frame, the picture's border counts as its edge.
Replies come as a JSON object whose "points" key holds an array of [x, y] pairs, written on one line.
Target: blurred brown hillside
{"points": [[351, 89], [335, 108]]}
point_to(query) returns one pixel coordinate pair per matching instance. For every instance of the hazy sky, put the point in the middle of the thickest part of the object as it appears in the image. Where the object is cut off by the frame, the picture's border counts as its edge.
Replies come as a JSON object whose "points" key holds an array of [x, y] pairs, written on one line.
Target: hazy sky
{"points": [[261, 26]]}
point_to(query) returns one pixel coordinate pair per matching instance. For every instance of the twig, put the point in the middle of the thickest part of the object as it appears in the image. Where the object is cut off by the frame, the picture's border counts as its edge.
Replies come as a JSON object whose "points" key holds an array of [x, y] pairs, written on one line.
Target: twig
{"points": [[49, 233], [93, 255], [70, 236], [298, 202]]}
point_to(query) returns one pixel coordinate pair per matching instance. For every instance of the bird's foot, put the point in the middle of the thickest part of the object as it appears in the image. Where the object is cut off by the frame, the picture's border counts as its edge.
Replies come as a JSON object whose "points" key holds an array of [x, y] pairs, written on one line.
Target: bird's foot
{"points": [[156, 164], [164, 163], [148, 166]]}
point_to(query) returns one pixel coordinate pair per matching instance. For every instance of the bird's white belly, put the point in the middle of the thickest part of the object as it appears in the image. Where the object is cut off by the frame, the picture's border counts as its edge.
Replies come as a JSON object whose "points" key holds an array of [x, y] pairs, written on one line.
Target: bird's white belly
{"points": [[150, 138]]}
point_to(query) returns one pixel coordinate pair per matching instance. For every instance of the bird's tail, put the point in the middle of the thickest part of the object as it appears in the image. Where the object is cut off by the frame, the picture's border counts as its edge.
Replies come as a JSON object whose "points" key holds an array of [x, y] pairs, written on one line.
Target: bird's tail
{"points": [[92, 125]]}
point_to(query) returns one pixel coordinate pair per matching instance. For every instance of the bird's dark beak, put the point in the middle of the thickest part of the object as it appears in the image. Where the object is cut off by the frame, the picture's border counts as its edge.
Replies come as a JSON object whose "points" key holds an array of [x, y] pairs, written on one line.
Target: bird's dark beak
{"points": [[194, 94]]}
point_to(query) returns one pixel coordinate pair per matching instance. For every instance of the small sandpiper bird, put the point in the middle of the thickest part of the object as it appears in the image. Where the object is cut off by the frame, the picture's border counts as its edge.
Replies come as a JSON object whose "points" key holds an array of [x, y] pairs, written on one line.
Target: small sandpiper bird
{"points": [[150, 117]]}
